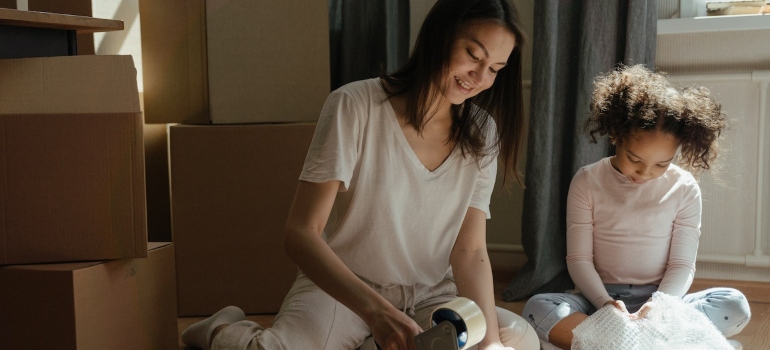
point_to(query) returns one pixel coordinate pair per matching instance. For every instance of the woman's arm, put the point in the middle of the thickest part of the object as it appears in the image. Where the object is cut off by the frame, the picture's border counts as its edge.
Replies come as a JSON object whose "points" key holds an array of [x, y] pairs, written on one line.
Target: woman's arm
{"points": [[473, 272], [391, 328]]}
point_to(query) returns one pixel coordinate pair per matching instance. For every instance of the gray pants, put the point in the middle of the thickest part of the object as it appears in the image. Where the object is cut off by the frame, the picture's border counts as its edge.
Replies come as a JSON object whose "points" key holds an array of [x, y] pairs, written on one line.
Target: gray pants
{"points": [[311, 319], [727, 308]]}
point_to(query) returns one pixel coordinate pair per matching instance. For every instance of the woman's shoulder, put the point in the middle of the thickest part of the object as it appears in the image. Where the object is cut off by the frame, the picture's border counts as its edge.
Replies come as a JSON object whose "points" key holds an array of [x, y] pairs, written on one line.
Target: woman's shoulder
{"points": [[361, 87], [358, 95]]}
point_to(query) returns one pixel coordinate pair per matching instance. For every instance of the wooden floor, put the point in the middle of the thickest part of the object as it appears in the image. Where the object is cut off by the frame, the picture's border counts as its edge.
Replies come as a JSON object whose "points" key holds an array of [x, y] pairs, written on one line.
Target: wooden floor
{"points": [[756, 335]]}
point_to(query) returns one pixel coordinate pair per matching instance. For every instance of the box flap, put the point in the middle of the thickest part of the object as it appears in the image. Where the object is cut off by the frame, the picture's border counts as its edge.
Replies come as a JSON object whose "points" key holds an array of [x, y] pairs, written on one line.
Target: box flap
{"points": [[72, 266], [69, 84], [57, 267], [156, 245]]}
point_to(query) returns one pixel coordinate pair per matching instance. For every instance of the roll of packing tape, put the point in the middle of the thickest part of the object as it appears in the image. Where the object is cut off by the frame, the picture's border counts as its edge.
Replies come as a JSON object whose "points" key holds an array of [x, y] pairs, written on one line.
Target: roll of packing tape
{"points": [[467, 319]]}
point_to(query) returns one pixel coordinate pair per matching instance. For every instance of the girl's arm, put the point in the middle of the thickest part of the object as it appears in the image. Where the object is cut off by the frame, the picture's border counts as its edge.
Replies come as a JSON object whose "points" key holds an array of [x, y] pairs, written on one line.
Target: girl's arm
{"points": [[680, 268], [580, 243], [473, 272], [391, 328]]}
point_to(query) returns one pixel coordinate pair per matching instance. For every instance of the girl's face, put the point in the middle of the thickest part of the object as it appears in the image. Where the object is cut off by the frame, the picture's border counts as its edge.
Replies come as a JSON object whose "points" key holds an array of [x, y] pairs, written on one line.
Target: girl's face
{"points": [[480, 50], [645, 155]]}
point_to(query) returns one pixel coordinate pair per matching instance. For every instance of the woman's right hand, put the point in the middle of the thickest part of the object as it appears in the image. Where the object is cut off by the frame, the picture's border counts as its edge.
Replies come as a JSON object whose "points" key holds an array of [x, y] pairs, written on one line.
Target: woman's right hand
{"points": [[393, 329]]}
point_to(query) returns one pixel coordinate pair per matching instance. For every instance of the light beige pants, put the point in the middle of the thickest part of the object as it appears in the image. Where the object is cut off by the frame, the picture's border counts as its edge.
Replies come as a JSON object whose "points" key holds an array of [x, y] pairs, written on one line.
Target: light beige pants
{"points": [[311, 319]]}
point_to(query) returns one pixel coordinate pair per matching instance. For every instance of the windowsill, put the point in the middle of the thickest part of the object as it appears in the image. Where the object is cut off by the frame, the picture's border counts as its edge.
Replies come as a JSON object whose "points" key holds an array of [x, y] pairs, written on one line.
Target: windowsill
{"points": [[713, 24]]}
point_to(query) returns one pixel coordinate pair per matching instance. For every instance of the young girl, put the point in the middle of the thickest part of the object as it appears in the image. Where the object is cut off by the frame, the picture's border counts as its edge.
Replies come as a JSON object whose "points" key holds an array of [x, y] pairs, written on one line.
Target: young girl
{"points": [[633, 219], [408, 162]]}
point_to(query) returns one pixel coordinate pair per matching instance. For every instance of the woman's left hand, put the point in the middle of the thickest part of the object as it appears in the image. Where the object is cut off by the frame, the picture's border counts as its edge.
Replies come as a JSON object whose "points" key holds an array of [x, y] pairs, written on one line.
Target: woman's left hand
{"points": [[643, 311]]}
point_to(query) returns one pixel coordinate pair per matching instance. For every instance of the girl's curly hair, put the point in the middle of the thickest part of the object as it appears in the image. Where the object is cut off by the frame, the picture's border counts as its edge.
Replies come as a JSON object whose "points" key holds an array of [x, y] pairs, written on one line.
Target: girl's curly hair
{"points": [[630, 99]]}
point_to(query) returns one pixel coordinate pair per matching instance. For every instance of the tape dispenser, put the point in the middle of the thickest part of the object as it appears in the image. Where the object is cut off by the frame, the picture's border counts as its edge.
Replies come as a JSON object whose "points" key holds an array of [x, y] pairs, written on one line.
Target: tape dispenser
{"points": [[456, 325]]}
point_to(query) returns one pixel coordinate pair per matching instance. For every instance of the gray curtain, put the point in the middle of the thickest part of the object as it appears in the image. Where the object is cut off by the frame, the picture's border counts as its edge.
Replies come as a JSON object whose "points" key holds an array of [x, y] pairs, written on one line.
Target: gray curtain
{"points": [[367, 38], [573, 41]]}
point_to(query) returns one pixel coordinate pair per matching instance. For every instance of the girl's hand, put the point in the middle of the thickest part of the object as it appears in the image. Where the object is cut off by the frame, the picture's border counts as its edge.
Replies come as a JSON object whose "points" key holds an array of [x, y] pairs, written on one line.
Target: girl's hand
{"points": [[394, 330], [619, 304], [642, 313]]}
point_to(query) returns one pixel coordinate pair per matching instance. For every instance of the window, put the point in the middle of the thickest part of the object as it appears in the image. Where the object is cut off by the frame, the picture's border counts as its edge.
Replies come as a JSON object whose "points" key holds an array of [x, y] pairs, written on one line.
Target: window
{"points": [[691, 16]]}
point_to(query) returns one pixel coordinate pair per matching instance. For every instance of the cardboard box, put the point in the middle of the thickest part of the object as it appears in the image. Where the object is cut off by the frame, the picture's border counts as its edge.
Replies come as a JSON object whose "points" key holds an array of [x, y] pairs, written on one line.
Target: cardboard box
{"points": [[72, 182], [8, 4], [116, 305], [240, 61], [174, 61], [231, 190]]}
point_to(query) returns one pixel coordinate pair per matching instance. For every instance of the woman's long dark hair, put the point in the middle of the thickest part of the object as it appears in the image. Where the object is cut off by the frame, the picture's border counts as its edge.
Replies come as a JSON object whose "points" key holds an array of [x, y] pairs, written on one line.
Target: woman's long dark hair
{"points": [[421, 81]]}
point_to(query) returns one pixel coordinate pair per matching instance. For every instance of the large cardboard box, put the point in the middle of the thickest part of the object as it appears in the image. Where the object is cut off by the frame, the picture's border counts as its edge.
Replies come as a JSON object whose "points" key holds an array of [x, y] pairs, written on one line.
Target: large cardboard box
{"points": [[238, 61], [117, 305], [72, 182], [231, 190]]}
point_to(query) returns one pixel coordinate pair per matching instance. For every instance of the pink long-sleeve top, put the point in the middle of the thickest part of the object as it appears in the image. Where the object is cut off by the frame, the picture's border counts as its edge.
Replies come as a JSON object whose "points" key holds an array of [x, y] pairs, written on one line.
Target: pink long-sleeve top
{"points": [[619, 232]]}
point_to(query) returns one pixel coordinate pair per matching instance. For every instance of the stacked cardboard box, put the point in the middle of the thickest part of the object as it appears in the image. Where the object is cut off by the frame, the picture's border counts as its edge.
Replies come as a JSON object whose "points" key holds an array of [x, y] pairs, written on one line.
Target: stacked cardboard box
{"points": [[259, 72], [71, 159], [236, 61], [72, 194], [126, 304], [232, 187], [244, 62]]}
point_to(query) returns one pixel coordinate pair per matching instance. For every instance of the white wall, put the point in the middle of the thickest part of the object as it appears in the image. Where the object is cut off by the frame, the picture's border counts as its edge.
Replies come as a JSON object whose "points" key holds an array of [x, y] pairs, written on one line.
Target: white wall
{"points": [[123, 42], [736, 203]]}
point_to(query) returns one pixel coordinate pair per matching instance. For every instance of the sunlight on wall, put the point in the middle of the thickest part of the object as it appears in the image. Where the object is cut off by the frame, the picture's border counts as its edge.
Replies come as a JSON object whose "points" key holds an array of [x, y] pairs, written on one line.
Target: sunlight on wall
{"points": [[125, 42]]}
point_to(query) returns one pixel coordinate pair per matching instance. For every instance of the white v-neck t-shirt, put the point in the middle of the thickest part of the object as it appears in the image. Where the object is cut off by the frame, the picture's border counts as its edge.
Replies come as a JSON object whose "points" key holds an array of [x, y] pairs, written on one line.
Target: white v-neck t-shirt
{"points": [[394, 221]]}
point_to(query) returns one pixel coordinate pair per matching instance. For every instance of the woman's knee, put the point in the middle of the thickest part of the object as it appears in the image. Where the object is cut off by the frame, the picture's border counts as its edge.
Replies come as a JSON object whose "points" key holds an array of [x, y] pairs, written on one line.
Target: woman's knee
{"points": [[515, 331], [727, 308]]}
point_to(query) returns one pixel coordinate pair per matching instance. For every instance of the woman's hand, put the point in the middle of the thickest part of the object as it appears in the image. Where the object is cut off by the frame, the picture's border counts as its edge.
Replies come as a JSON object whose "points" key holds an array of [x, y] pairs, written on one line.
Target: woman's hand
{"points": [[393, 329], [643, 311]]}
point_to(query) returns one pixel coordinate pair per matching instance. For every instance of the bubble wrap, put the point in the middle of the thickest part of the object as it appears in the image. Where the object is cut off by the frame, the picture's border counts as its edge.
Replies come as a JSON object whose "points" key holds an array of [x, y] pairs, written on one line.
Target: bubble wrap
{"points": [[670, 324]]}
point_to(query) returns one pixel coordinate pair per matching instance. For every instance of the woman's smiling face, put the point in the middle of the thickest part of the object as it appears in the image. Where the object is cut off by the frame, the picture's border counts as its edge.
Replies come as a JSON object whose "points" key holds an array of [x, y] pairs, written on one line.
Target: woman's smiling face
{"points": [[480, 50]]}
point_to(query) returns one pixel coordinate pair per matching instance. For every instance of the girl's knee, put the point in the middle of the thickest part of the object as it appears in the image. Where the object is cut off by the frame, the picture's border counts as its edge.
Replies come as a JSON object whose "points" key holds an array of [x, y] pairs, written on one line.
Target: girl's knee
{"points": [[727, 308], [544, 311]]}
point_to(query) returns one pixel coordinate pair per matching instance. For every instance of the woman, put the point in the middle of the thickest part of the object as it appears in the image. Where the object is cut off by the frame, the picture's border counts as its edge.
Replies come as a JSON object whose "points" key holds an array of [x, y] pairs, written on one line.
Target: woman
{"points": [[408, 162]]}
